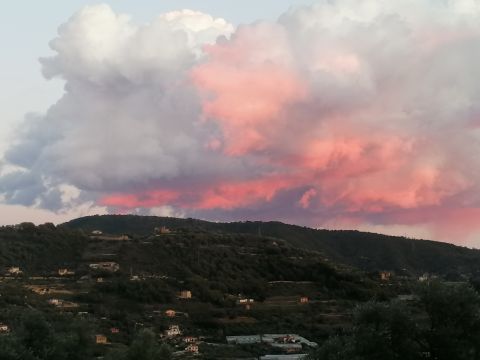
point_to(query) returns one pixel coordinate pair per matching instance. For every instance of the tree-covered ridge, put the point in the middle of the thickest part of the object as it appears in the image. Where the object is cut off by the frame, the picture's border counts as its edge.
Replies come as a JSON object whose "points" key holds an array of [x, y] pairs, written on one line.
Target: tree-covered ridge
{"points": [[350, 313], [367, 251], [40, 248], [443, 324]]}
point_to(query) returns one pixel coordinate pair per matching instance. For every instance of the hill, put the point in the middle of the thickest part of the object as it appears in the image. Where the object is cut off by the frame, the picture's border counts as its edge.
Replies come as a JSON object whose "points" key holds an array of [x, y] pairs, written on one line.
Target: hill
{"points": [[366, 251], [218, 286]]}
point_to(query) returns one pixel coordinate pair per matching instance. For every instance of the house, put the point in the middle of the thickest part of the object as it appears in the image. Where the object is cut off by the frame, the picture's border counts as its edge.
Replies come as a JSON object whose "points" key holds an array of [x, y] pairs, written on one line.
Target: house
{"points": [[4, 329], [55, 302], [65, 272], [63, 304], [424, 277], [173, 330], [114, 330], [244, 301], [385, 275], [190, 339], [101, 339], [192, 348], [14, 270], [105, 266], [185, 294], [162, 230], [304, 300], [39, 290], [170, 313]]}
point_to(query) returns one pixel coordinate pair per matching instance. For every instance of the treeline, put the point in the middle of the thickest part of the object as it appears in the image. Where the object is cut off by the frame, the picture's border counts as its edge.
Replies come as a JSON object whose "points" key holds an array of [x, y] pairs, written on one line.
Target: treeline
{"points": [[367, 251], [40, 336], [213, 265], [442, 324], [39, 249]]}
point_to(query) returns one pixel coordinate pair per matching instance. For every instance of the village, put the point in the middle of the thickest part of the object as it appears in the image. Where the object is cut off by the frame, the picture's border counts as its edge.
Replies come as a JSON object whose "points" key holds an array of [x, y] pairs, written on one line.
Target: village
{"points": [[189, 317], [63, 288]]}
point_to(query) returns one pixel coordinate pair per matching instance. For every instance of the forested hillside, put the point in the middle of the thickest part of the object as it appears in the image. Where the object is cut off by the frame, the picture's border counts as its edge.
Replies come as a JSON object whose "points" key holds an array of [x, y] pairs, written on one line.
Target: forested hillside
{"points": [[367, 251]]}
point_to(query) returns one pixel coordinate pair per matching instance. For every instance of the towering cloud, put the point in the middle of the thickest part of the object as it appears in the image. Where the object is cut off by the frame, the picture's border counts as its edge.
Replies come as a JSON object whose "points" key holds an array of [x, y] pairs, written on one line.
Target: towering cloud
{"points": [[346, 113]]}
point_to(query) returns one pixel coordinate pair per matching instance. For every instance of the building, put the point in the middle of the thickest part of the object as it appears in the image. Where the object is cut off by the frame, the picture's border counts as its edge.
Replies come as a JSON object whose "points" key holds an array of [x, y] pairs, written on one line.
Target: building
{"points": [[173, 330], [170, 313], [101, 339], [55, 302], [245, 301], [288, 347], [287, 339], [192, 348], [14, 270], [185, 294], [4, 329], [385, 275], [109, 266], [65, 272], [63, 304], [190, 339], [244, 340], [304, 300], [39, 290], [162, 230], [114, 330], [424, 277]]}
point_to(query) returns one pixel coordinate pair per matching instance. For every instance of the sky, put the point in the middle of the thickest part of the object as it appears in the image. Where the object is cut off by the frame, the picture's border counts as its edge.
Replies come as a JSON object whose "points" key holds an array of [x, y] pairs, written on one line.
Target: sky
{"points": [[331, 114]]}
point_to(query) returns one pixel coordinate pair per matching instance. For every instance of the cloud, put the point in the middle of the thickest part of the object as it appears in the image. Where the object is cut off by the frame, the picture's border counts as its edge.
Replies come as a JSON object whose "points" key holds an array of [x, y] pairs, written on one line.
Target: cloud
{"points": [[347, 112]]}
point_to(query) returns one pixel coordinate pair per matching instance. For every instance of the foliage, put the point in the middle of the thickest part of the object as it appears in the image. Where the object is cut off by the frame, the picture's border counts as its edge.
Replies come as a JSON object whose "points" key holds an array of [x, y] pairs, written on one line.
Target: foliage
{"points": [[143, 347], [367, 251], [447, 329], [35, 337]]}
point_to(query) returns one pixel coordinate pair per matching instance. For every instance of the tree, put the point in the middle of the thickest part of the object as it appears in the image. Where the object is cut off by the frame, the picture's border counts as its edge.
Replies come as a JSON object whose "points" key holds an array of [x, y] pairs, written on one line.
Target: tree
{"points": [[336, 348], [385, 331], [453, 311], [143, 347], [11, 348], [36, 335], [382, 331]]}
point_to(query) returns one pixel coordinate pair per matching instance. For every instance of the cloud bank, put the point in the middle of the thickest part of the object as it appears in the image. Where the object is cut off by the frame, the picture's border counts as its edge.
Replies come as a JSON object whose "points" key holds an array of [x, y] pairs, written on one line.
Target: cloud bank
{"points": [[343, 114]]}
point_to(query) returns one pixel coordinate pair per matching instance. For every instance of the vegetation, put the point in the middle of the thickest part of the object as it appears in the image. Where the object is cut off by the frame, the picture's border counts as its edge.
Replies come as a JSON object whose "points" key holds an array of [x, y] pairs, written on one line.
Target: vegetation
{"points": [[244, 278], [443, 325], [366, 251]]}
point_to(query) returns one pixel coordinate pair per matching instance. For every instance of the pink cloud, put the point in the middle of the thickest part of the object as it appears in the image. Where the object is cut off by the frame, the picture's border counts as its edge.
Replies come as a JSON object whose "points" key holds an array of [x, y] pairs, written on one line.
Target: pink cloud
{"points": [[306, 198], [144, 199], [336, 113], [246, 89]]}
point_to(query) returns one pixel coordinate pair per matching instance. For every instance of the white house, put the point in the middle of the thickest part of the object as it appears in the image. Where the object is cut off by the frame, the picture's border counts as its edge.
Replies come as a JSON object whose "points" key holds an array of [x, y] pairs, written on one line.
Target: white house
{"points": [[4, 328], [173, 330]]}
